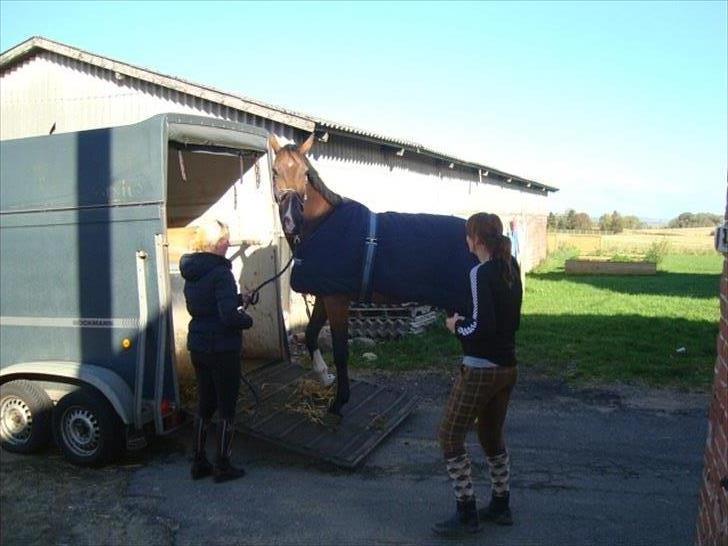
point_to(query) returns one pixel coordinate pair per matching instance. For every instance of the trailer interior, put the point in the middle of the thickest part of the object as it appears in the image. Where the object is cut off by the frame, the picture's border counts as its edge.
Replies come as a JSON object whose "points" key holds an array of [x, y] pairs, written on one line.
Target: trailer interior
{"points": [[206, 182]]}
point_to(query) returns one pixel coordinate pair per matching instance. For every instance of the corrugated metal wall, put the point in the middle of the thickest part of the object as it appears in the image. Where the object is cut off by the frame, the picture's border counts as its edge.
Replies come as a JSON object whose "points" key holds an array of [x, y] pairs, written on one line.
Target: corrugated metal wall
{"points": [[48, 89]]}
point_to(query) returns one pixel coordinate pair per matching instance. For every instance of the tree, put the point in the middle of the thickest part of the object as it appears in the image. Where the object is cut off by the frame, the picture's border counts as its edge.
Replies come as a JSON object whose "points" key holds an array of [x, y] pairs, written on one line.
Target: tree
{"points": [[570, 219], [611, 222], [632, 222], [551, 221], [685, 219], [700, 219], [617, 222], [604, 222], [582, 221]]}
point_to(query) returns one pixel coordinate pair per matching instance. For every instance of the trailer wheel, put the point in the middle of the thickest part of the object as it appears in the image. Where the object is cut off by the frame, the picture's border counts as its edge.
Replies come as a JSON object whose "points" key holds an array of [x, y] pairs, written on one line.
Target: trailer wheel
{"points": [[87, 429], [25, 417]]}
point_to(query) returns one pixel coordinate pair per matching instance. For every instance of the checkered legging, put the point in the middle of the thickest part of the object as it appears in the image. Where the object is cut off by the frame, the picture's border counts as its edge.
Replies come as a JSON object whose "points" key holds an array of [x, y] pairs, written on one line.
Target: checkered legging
{"points": [[471, 398]]}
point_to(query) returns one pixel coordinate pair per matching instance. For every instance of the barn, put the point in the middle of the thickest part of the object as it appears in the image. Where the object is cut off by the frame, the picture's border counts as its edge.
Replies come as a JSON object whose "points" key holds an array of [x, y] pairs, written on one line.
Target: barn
{"points": [[49, 86]]}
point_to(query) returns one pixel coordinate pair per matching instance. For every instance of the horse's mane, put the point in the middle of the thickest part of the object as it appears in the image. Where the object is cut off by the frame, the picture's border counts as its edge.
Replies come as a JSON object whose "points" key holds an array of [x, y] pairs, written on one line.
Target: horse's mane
{"points": [[333, 198]]}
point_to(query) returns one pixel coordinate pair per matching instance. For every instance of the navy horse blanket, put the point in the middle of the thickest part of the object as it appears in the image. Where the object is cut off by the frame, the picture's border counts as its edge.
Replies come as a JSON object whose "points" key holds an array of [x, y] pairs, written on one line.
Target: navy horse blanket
{"points": [[417, 257]]}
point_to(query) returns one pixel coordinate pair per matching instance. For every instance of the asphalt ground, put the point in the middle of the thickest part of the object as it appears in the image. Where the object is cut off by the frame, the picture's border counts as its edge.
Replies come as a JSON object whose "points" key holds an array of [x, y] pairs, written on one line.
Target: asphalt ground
{"points": [[589, 466]]}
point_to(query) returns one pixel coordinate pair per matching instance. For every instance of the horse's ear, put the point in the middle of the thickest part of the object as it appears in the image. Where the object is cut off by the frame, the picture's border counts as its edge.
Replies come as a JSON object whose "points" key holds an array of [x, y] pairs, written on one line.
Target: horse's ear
{"points": [[307, 145], [273, 141]]}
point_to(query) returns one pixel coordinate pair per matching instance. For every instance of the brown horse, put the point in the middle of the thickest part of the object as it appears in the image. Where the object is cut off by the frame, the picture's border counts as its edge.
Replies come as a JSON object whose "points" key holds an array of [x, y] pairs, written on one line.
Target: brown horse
{"points": [[302, 207], [304, 203]]}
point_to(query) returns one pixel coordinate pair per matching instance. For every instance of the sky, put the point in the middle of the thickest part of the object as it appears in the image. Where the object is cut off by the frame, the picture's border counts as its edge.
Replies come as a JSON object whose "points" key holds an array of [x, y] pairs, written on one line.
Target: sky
{"points": [[621, 105]]}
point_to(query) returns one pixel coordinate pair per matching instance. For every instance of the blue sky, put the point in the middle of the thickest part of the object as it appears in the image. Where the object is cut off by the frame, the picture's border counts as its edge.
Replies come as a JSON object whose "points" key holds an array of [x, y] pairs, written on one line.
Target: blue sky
{"points": [[622, 105]]}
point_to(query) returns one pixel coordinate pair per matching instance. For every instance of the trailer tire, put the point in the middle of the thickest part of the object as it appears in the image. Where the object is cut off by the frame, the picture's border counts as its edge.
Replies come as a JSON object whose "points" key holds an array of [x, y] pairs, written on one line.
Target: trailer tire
{"points": [[87, 428], [25, 417]]}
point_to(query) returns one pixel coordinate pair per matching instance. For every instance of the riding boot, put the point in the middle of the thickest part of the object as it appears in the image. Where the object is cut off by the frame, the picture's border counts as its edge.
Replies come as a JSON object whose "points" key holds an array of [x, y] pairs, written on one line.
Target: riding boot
{"points": [[201, 467], [498, 511], [463, 523], [224, 471]]}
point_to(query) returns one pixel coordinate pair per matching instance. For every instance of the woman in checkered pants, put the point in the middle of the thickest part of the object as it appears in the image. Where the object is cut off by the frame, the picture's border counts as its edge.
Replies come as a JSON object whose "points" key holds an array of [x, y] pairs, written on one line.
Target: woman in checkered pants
{"points": [[486, 377]]}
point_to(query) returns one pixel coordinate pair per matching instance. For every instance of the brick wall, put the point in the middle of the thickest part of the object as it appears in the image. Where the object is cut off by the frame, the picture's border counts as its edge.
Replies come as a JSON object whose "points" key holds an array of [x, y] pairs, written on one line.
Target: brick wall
{"points": [[712, 525]]}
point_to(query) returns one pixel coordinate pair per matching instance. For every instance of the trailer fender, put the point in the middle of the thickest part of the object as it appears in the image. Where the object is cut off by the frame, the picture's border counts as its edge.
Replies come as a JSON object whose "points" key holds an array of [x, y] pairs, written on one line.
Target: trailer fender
{"points": [[113, 387]]}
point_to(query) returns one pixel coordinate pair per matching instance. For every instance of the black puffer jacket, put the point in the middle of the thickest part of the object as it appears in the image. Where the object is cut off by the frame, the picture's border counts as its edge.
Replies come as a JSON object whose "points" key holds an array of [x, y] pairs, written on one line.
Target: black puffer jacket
{"points": [[212, 300]]}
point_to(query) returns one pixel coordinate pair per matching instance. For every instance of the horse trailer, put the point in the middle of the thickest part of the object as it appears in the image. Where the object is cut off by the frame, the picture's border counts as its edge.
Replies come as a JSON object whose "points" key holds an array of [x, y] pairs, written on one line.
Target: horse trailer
{"points": [[93, 321]]}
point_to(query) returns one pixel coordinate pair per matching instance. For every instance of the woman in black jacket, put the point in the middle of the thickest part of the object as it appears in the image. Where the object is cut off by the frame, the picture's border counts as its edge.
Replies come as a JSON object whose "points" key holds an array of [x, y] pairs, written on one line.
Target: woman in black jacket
{"points": [[214, 339], [486, 377]]}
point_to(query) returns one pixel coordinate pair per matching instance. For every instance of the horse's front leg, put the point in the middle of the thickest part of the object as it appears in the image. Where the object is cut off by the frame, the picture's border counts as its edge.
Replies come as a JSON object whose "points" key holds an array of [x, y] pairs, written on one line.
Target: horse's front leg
{"points": [[337, 309], [313, 329]]}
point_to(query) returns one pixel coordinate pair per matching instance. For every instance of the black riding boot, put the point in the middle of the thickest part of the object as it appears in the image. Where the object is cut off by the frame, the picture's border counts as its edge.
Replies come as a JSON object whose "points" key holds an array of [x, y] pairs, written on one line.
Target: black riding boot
{"points": [[224, 471], [498, 511], [201, 467], [463, 523]]}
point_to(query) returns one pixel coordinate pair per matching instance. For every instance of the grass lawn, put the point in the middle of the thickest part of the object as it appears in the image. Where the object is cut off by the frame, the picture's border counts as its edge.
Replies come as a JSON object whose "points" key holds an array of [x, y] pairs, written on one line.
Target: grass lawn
{"points": [[598, 328]]}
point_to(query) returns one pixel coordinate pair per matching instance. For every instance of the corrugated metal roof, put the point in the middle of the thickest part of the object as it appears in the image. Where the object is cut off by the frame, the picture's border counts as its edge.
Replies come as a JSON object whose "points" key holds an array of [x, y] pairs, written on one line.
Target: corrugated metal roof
{"points": [[256, 107], [487, 171], [259, 108]]}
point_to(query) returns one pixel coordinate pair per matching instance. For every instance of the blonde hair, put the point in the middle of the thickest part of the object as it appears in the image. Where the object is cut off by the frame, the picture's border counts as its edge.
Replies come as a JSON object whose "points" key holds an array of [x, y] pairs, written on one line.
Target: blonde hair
{"points": [[209, 234]]}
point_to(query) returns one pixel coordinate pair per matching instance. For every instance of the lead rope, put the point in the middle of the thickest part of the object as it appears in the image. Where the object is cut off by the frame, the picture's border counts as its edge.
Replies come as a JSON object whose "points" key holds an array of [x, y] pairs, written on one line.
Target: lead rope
{"points": [[254, 297], [182, 170]]}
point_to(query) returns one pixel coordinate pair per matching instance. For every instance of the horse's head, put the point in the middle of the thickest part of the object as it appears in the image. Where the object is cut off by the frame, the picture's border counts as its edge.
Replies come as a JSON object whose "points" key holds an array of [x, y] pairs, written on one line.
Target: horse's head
{"points": [[290, 179]]}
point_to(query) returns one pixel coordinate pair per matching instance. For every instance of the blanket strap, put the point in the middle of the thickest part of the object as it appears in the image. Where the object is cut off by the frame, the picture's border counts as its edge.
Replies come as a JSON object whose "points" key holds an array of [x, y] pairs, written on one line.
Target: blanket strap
{"points": [[369, 253]]}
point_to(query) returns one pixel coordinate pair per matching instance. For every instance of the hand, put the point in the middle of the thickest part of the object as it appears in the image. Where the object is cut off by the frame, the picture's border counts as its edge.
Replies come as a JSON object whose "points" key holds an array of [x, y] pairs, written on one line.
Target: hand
{"points": [[450, 322], [246, 298]]}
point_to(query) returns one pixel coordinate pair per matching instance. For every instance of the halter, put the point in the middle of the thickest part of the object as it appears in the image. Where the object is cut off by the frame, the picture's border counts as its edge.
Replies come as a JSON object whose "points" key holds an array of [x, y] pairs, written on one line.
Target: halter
{"points": [[279, 195]]}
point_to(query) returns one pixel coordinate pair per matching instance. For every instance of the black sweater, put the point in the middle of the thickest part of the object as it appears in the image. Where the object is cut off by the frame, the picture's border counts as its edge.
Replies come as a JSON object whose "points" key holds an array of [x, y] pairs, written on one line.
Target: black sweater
{"points": [[495, 314]]}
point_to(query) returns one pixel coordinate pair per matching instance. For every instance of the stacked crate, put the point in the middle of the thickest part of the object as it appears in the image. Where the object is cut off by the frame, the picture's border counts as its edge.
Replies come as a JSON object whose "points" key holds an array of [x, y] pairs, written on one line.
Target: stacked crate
{"points": [[379, 321]]}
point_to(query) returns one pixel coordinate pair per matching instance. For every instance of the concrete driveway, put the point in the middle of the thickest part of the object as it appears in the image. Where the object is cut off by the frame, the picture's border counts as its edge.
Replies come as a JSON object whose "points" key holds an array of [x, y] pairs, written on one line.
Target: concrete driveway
{"points": [[589, 466]]}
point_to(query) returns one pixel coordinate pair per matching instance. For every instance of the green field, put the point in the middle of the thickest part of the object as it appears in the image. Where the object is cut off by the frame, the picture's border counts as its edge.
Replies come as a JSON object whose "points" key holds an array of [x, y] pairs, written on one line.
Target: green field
{"points": [[599, 328]]}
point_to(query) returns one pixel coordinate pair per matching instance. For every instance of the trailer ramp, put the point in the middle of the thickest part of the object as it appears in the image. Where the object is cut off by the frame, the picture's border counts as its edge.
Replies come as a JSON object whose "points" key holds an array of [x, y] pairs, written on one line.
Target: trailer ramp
{"points": [[372, 413]]}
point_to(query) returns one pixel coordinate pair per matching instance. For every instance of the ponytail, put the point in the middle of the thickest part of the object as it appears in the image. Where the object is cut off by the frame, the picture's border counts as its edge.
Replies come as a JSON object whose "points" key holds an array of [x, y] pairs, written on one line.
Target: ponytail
{"points": [[506, 261]]}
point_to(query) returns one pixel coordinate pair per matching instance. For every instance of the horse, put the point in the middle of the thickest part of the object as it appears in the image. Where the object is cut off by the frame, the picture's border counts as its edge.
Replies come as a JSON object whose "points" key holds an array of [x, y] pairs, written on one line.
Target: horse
{"points": [[311, 214]]}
